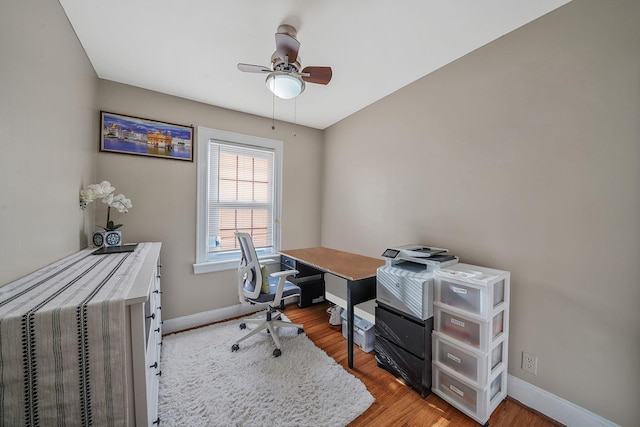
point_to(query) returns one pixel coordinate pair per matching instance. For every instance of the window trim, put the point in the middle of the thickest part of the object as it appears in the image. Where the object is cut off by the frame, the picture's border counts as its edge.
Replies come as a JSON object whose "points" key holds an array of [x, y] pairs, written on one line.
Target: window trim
{"points": [[204, 136]]}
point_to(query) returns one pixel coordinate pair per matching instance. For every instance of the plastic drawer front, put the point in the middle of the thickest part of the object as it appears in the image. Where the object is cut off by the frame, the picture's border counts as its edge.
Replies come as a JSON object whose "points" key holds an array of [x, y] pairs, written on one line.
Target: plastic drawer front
{"points": [[468, 329], [473, 365], [475, 299], [477, 403], [403, 331], [415, 372]]}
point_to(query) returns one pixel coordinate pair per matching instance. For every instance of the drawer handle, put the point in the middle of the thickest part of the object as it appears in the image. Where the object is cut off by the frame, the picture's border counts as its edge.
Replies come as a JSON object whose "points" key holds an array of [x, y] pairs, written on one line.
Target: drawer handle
{"points": [[159, 373], [457, 322], [160, 343], [456, 390], [157, 330], [157, 292], [155, 365], [454, 358], [457, 290], [157, 421], [152, 316]]}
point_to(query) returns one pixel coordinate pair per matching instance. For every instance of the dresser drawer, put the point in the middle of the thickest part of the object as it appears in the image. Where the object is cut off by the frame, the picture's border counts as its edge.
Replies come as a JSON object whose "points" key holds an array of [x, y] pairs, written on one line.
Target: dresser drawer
{"points": [[475, 366], [478, 403], [471, 330]]}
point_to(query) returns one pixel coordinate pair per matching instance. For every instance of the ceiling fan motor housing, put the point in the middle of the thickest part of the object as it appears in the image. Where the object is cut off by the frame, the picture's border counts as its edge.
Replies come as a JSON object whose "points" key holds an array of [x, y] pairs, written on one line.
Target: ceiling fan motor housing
{"points": [[279, 64]]}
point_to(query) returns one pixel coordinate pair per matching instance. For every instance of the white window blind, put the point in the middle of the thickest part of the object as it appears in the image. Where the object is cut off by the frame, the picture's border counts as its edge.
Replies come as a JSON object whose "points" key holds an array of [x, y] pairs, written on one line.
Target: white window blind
{"points": [[241, 196]]}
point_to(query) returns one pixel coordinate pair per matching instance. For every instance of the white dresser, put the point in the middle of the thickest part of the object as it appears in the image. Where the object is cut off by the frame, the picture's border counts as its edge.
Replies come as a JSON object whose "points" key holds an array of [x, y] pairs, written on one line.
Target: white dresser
{"points": [[80, 341], [144, 320], [470, 338]]}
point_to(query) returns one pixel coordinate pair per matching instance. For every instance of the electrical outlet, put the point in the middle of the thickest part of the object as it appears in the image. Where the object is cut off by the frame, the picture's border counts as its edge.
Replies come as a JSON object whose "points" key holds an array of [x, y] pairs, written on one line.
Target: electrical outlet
{"points": [[529, 363]]}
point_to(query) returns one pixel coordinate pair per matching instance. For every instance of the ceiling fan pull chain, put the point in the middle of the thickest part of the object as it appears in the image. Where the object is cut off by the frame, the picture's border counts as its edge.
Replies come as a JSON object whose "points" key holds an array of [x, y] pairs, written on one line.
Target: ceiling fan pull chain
{"points": [[295, 115], [273, 111]]}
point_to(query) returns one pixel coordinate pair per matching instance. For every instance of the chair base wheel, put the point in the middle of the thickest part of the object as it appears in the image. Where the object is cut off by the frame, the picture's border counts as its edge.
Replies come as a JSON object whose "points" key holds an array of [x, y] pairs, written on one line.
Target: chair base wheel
{"points": [[235, 347], [243, 326], [300, 330], [277, 352]]}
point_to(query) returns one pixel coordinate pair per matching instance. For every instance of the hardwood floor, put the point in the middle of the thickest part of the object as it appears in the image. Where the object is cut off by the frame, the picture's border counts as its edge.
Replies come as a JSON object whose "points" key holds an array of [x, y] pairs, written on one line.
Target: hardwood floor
{"points": [[396, 404]]}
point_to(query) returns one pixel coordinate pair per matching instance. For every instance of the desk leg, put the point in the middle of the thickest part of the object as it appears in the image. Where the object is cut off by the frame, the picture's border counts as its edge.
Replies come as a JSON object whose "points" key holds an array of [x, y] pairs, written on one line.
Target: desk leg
{"points": [[358, 291]]}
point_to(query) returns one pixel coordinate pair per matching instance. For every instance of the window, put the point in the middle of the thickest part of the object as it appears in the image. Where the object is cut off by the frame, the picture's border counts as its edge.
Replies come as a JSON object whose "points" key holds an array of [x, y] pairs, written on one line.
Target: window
{"points": [[239, 183]]}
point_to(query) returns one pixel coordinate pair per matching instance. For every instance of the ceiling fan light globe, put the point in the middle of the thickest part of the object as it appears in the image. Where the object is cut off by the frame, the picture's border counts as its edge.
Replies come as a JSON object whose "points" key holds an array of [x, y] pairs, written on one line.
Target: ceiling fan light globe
{"points": [[285, 85]]}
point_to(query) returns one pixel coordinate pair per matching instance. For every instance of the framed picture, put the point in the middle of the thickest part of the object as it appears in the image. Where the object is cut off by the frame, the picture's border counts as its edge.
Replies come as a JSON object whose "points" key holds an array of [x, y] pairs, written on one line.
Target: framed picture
{"points": [[133, 135]]}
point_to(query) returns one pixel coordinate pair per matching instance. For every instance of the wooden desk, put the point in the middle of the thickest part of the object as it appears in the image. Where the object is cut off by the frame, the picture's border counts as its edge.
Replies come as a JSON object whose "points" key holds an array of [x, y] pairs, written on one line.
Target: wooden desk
{"points": [[358, 270]]}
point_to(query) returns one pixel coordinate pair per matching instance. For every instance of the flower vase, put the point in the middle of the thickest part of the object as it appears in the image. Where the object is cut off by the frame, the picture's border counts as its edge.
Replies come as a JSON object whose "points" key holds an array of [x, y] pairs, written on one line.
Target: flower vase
{"points": [[98, 239], [112, 238]]}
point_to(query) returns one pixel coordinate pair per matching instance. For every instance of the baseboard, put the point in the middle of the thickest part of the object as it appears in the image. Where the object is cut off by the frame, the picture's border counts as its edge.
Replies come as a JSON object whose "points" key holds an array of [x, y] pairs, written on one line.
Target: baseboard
{"points": [[195, 320], [553, 406], [203, 318]]}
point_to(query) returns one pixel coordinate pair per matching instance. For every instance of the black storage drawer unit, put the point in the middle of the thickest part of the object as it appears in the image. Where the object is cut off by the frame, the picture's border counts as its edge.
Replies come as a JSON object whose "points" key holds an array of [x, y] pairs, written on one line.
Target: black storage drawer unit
{"points": [[413, 370], [309, 279], [403, 347], [402, 330]]}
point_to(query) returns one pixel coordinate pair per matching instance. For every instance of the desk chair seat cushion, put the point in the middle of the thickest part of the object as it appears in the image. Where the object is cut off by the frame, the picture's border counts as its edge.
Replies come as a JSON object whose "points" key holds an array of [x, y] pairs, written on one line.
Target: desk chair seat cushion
{"points": [[289, 290]]}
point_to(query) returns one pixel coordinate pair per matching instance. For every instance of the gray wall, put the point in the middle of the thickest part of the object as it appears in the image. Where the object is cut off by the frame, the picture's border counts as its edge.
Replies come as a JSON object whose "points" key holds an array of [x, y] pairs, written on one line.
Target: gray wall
{"points": [[163, 192], [48, 119], [525, 156]]}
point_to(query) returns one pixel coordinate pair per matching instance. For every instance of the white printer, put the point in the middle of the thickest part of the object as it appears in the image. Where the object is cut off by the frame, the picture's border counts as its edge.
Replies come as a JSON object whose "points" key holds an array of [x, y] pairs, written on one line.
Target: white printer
{"points": [[405, 282]]}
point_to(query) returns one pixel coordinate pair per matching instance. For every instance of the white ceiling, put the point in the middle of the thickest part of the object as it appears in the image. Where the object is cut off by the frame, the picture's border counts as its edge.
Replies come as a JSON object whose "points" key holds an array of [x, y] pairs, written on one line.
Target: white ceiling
{"points": [[190, 48]]}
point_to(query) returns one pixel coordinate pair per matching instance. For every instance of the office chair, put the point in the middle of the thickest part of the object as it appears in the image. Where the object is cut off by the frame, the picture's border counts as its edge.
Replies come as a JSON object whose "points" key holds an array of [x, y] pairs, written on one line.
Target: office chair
{"points": [[250, 292]]}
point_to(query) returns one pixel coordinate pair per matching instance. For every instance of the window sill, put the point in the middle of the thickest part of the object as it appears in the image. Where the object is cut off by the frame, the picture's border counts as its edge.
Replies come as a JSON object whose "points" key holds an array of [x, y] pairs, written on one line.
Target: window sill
{"points": [[216, 266]]}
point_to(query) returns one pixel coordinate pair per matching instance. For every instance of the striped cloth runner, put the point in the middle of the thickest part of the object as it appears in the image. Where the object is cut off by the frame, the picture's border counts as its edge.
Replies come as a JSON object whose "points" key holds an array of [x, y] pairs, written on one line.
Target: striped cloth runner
{"points": [[62, 342]]}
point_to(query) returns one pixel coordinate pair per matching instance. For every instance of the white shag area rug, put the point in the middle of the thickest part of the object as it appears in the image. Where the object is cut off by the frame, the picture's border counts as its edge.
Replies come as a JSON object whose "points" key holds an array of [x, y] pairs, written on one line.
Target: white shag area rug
{"points": [[204, 383]]}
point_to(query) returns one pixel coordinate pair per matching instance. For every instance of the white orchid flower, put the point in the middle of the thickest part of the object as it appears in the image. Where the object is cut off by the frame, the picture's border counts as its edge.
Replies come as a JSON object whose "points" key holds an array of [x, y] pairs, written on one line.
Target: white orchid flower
{"points": [[105, 191]]}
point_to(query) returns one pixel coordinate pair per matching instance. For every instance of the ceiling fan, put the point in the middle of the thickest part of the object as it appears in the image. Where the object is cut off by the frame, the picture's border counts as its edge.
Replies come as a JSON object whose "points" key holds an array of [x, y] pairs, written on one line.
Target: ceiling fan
{"points": [[285, 78]]}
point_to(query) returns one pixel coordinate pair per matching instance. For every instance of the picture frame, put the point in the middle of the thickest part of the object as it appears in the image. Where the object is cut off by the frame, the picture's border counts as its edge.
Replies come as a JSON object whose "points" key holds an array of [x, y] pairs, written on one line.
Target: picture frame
{"points": [[124, 134]]}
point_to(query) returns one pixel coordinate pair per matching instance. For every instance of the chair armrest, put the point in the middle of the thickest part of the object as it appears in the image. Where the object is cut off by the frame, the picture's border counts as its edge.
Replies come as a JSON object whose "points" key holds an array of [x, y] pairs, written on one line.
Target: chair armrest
{"points": [[284, 273], [282, 277]]}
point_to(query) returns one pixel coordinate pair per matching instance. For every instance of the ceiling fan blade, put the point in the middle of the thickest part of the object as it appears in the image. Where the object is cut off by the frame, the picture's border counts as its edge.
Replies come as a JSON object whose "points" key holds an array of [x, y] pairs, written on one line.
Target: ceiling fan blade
{"points": [[287, 46], [249, 68], [320, 75]]}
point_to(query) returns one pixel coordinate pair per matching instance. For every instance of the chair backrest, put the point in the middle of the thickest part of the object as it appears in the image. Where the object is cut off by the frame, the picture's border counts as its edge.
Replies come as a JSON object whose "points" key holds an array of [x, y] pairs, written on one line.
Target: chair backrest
{"points": [[249, 274]]}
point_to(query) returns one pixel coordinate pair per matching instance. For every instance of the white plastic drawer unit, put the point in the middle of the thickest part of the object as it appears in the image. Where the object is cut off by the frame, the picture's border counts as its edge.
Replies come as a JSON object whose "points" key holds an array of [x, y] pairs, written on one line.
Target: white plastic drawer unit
{"points": [[478, 403], [473, 365], [477, 290], [469, 329]]}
